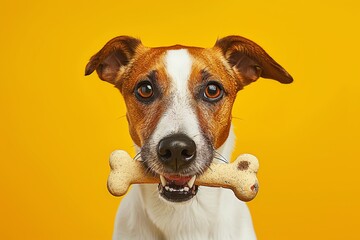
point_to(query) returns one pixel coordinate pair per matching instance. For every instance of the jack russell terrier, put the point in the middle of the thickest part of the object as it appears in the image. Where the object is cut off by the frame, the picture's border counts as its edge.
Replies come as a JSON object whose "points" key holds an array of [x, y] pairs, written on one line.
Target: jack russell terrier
{"points": [[179, 101]]}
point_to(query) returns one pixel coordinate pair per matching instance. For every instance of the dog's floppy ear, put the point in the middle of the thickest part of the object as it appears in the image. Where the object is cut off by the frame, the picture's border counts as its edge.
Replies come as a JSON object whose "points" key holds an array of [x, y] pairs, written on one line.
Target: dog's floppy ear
{"points": [[251, 61], [117, 53]]}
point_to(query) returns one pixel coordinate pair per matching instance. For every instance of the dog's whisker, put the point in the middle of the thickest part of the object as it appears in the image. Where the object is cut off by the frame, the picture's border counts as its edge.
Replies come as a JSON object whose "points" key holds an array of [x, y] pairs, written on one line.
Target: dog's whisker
{"points": [[138, 157], [121, 117], [221, 159], [196, 135], [152, 169], [148, 171], [221, 156], [237, 118]]}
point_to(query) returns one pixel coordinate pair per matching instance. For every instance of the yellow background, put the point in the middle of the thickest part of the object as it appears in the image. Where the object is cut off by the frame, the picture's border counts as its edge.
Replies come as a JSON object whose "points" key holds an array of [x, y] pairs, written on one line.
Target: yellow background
{"points": [[58, 127]]}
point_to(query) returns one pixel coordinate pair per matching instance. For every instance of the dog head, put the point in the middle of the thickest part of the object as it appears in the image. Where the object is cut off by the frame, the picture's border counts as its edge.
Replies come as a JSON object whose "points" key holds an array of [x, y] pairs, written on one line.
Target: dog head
{"points": [[179, 100]]}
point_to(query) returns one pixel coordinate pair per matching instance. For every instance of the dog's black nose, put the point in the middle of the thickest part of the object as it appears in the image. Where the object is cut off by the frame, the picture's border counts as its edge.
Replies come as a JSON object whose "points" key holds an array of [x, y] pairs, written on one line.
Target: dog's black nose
{"points": [[177, 151]]}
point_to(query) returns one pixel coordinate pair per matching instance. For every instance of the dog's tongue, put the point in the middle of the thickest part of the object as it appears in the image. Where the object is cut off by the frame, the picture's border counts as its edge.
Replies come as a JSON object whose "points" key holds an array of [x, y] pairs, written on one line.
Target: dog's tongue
{"points": [[178, 180]]}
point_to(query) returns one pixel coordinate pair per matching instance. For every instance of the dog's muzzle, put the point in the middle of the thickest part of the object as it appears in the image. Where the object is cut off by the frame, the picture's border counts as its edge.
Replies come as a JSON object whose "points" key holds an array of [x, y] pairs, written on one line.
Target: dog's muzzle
{"points": [[177, 152]]}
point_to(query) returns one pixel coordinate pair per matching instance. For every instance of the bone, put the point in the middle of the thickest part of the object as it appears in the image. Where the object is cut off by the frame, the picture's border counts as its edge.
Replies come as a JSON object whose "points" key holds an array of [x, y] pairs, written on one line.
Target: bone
{"points": [[239, 176]]}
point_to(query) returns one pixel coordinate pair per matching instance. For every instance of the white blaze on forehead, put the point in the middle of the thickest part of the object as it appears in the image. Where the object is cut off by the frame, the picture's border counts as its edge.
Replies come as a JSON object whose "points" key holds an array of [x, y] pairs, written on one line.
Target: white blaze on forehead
{"points": [[179, 117], [178, 65]]}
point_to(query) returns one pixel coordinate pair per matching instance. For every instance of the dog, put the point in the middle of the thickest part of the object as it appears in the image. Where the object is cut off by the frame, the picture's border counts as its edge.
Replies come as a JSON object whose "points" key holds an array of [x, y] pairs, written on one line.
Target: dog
{"points": [[179, 101]]}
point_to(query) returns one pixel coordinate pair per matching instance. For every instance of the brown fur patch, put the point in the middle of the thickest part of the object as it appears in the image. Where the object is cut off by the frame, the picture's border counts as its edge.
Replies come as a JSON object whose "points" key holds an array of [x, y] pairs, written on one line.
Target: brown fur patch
{"points": [[214, 118], [143, 117]]}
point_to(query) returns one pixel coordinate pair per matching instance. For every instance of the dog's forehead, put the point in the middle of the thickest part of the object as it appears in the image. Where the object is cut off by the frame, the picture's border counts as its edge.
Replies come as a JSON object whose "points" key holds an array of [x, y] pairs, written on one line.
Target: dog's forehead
{"points": [[176, 63], [182, 56]]}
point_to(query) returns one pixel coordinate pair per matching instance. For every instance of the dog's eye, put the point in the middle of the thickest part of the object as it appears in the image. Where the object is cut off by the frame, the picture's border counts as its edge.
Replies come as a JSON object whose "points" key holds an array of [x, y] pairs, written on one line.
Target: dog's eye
{"points": [[213, 92], [144, 91]]}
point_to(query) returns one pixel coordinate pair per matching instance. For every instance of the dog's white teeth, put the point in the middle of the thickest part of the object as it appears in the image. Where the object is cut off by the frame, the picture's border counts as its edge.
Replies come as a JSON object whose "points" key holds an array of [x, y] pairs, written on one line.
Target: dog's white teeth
{"points": [[163, 181], [191, 181], [170, 189], [166, 187]]}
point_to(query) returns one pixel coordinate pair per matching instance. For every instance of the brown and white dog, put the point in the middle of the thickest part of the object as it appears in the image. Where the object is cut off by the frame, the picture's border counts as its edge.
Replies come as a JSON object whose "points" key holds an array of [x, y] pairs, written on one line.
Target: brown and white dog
{"points": [[179, 101]]}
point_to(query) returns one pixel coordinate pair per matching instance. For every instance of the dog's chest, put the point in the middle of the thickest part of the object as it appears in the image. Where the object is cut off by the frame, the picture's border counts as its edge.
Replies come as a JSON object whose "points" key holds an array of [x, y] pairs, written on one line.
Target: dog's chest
{"points": [[197, 219]]}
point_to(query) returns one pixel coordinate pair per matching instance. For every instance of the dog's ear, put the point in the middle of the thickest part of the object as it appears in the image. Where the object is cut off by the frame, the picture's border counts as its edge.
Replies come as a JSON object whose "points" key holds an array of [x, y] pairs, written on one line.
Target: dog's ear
{"points": [[117, 53], [250, 61]]}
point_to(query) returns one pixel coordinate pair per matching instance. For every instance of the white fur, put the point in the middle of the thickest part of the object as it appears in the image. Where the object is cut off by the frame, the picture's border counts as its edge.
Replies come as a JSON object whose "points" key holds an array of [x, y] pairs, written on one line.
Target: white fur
{"points": [[179, 117], [214, 213]]}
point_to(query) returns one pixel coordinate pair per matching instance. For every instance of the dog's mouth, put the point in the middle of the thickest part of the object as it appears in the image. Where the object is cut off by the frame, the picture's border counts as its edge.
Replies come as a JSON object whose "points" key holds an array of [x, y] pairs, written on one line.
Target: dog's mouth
{"points": [[177, 188]]}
